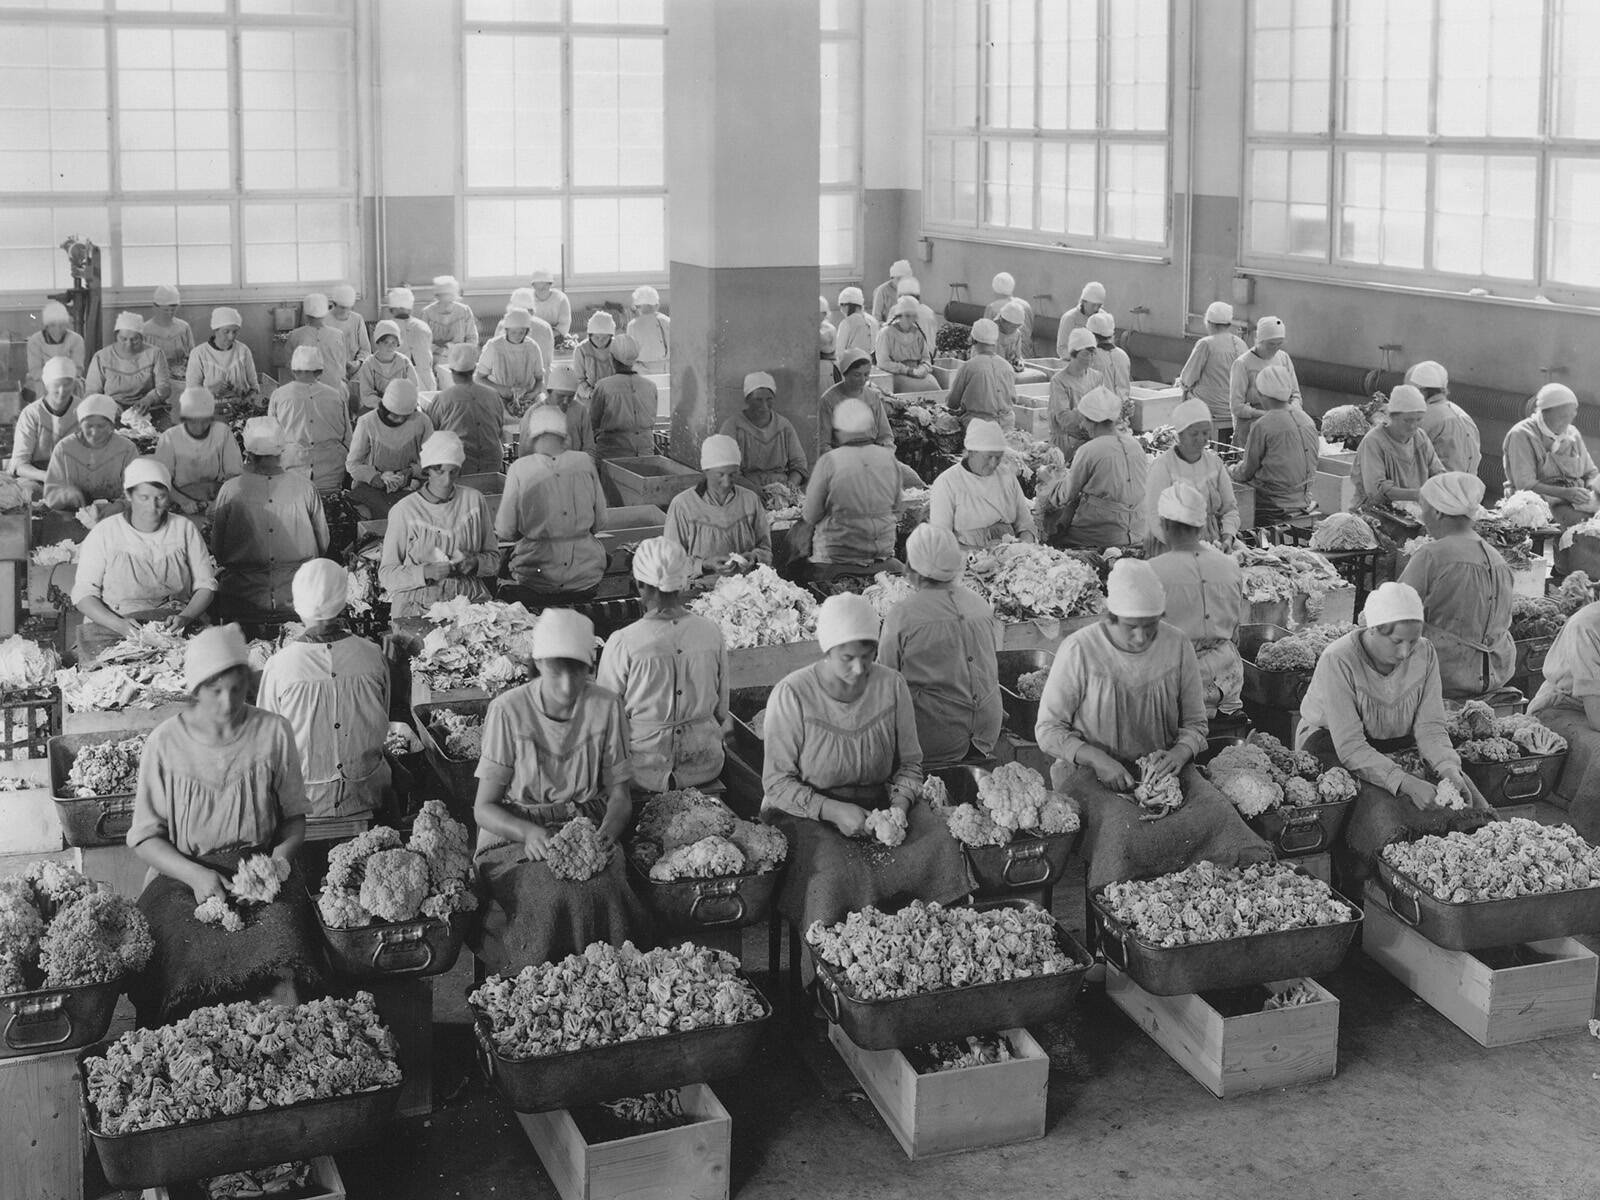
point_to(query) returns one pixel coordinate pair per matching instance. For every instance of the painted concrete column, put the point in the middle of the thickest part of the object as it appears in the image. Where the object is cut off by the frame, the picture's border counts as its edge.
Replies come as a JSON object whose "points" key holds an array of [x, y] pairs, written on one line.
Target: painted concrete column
{"points": [[892, 60], [743, 134]]}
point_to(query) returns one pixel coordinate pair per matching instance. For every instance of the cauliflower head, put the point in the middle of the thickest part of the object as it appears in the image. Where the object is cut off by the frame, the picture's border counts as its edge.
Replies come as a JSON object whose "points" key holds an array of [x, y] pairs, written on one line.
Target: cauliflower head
{"points": [[1336, 785], [1252, 793], [21, 926], [56, 885], [95, 939], [972, 826], [888, 825], [1058, 816], [1241, 756], [763, 846], [1300, 793], [395, 885], [576, 853], [347, 861], [1160, 797], [696, 824], [1474, 719], [708, 858], [259, 879], [443, 842], [341, 908]]}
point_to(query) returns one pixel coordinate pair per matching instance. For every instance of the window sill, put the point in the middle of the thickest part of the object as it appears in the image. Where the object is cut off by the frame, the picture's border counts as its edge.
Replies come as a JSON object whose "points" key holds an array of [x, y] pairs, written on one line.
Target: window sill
{"points": [[1432, 293], [1152, 256]]}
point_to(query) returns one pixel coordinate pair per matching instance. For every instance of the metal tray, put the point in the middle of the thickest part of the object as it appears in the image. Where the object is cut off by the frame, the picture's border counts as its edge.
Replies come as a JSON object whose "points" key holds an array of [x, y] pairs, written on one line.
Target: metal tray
{"points": [[1475, 924], [622, 1068], [1531, 653], [153, 1157], [1230, 963], [88, 820], [1274, 689], [952, 1012], [394, 950], [1306, 830], [728, 902], [56, 1018], [1519, 781], [457, 774], [1030, 860], [1021, 715]]}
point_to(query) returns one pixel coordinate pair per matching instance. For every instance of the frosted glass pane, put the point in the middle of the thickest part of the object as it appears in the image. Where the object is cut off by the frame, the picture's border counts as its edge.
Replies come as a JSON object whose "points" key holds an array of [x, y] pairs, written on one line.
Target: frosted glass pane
{"points": [[149, 265], [271, 264]]}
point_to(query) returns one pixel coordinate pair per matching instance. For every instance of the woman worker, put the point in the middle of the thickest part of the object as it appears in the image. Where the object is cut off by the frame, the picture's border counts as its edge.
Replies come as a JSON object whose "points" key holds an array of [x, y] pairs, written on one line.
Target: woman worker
{"points": [[984, 386], [1124, 690], [130, 372], [384, 365], [86, 466], [855, 368], [1208, 374], [55, 338], [315, 419], [1068, 387], [223, 364], [168, 332], [717, 520], [219, 783], [1280, 452], [1546, 454], [857, 330], [1376, 691], [1396, 459], [1100, 502], [540, 334], [552, 508], [561, 394], [46, 421], [439, 543], [550, 303], [199, 452], [1090, 301], [343, 317], [1268, 351], [623, 410], [976, 499], [553, 749], [592, 358], [333, 689], [1205, 594], [671, 669], [1568, 702], [385, 449], [853, 501], [141, 565], [651, 331], [1189, 461], [267, 523], [904, 349], [769, 447], [943, 639], [1466, 589], [512, 363], [841, 741]]}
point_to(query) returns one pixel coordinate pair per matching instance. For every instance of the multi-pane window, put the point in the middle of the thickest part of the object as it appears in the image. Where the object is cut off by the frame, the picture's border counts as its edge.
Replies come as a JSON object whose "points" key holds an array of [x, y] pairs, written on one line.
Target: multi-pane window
{"points": [[563, 141], [197, 142], [839, 223], [1441, 141], [1047, 120]]}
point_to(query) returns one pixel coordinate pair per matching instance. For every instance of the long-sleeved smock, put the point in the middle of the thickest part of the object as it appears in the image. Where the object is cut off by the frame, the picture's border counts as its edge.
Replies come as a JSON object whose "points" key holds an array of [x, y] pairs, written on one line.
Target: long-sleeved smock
{"points": [[827, 439], [1244, 399], [374, 376], [984, 388], [539, 334], [623, 414], [265, 526], [95, 473], [377, 448], [208, 799], [1466, 589], [580, 429], [1068, 430], [1015, 347], [514, 369], [1572, 666], [1208, 375], [1115, 369], [992, 311], [975, 507], [229, 374], [316, 431], [819, 748], [337, 355], [1205, 592], [1383, 464], [853, 502], [899, 350], [767, 453], [41, 349], [1357, 705], [672, 675], [1454, 435], [126, 380], [654, 335], [943, 641], [883, 298], [707, 530], [131, 571], [354, 327], [1073, 318], [37, 432], [422, 531], [1124, 703], [1532, 456], [539, 760], [1209, 477], [1280, 458], [552, 508], [175, 340], [478, 415], [416, 343], [555, 310], [1103, 497], [200, 466], [334, 692], [450, 323], [593, 363], [858, 331]]}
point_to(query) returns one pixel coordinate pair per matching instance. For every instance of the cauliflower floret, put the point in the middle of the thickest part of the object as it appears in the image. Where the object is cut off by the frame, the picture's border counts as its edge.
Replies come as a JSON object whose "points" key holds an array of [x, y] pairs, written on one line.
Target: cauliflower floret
{"points": [[695, 824], [443, 842], [888, 825], [1058, 816], [576, 853], [455, 897], [1335, 785], [1252, 793], [214, 910], [259, 879], [341, 908], [395, 886], [1161, 797], [1030, 686], [934, 793], [21, 926], [347, 860], [56, 885], [973, 826], [1530, 733], [1300, 793], [95, 939], [709, 858], [11, 977], [763, 846], [1448, 795]]}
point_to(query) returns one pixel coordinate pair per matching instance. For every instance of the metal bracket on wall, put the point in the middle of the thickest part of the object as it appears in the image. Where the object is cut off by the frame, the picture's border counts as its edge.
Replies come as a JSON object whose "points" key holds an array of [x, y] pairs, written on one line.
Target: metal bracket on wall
{"points": [[1389, 349]]}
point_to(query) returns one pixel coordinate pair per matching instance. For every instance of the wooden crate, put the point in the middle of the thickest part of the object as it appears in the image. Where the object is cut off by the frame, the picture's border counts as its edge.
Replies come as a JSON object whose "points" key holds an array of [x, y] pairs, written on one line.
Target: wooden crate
{"points": [[406, 1006], [28, 822], [41, 1127], [1337, 464], [689, 1163], [1234, 1056], [950, 1111], [1493, 1007], [1333, 493], [324, 1175], [131, 720], [759, 666], [1153, 404], [647, 479], [118, 867], [1244, 495]]}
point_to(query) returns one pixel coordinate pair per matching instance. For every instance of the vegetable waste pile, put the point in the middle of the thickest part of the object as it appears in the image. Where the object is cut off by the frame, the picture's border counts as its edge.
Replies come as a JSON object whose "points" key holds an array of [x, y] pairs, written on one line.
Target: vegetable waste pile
{"points": [[1212, 903], [758, 609], [1279, 573], [59, 929], [379, 876], [1024, 580], [689, 835], [488, 646], [1499, 861]]}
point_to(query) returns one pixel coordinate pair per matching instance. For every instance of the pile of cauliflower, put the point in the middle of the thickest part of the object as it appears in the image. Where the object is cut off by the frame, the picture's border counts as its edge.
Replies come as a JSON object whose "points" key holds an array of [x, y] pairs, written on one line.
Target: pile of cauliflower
{"points": [[758, 609], [488, 645], [58, 929], [1263, 774], [612, 994], [1211, 903], [1480, 736], [237, 1058], [1301, 649], [929, 948], [26, 667], [461, 734], [377, 875], [106, 768], [1030, 685], [885, 591], [1345, 423], [1012, 801], [975, 1050], [1343, 531], [1498, 861], [1525, 510], [1273, 573], [689, 835], [1023, 580]]}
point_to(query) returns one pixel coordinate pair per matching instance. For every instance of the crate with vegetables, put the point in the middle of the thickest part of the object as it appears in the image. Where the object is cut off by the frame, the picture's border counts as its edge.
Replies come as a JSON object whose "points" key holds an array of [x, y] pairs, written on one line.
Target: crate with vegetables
{"points": [[30, 701], [1016, 833], [1535, 622], [769, 625], [697, 865], [1285, 795], [1278, 663]]}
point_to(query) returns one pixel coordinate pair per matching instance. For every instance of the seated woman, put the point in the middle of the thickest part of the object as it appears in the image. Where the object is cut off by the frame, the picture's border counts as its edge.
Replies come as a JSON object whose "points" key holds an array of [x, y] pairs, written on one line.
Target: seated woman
{"points": [[552, 508], [266, 523], [439, 543], [1100, 501], [315, 418], [333, 689], [1189, 461], [769, 448], [219, 783], [943, 639], [1568, 702], [385, 449], [1466, 589], [717, 518], [200, 452], [841, 741], [1205, 595], [550, 303], [512, 363], [168, 332], [1068, 387], [1374, 692], [223, 364], [553, 749], [1396, 459], [671, 669], [592, 359], [1120, 691], [55, 338], [130, 372], [853, 501], [1546, 454], [385, 365], [45, 421], [623, 408], [561, 394], [978, 501], [905, 350], [86, 466], [855, 369], [984, 387], [1280, 450]]}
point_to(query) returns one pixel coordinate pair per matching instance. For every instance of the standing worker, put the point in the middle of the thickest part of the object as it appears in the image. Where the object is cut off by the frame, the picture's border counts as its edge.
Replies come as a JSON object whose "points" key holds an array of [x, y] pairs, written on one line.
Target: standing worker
{"points": [[1068, 387], [338, 362], [1090, 301], [1208, 375], [199, 452], [1396, 459], [1005, 292], [885, 294], [853, 500], [623, 411], [343, 317], [1243, 395], [984, 386], [1100, 502], [1205, 595], [1110, 359], [769, 447], [315, 419], [439, 543], [978, 501], [550, 303], [716, 520], [384, 462], [473, 412], [857, 329], [552, 508], [651, 331], [1453, 433], [1280, 454], [168, 332], [450, 323], [416, 338], [1189, 461], [130, 372], [223, 364]]}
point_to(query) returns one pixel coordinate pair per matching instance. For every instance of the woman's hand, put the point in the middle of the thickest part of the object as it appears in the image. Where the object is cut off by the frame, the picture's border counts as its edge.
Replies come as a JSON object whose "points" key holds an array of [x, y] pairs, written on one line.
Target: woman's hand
{"points": [[1169, 762], [1106, 769], [176, 623], [1463, 781], [1420, 792], [536, 843], [848, 819], [436, 572], [206, 884], [1577, 495]]}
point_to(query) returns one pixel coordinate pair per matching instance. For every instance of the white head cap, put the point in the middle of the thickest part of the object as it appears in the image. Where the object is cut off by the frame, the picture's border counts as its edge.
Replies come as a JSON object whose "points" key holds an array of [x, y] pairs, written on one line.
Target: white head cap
{"points": [[1454, 494], [602, 322], [563, 378], [263, 435], [211, 652], [225, 318], [718, 451], [625, 349], [984, 437], [1102, 324], [542, 275], [462, 357], [519, 318], [129, 322], [1101, 404], [1406, 399], [315, 305], [907, 306], [1183, 503], [1004, 284], [900, 269], [1275, 382], [846, 618], [196, 403], [663, 564], [562, 633], [146, 470], [1190, 412], [853, 416], [1391, 602], [909, 286], [522, 298], [306, 358], [1219, 312], [320, 590], [1428, 374], [645, 294], [851, 295], [344, 295], [545, 420], [1554, 395], [165, 294], [1093, 293], [1013, 311], [58, 367], [442, 449], [400, 299], [97, 404], [933, 552], [1134, 590], [985, 332], [55, 313], [383, 329], [757, 380], [400, 397], [446, 287], [1271, 327], [852, 357], [1080, 339]]}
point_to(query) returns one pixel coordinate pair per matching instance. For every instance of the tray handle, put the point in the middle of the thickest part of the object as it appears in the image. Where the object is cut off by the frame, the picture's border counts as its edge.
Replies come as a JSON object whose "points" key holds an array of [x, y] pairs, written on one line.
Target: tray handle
{"points": [[46, 1012], [1398, 888], [1020, 856], [709, 894], [827, 998], [485, 1051], [113, 823], [396, 950], [1292, 840], [1110, 938], [1532, 789]]}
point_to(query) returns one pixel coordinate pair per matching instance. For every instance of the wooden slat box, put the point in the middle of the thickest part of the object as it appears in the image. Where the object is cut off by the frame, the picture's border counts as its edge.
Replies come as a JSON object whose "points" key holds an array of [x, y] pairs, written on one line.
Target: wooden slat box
{"points": [[324, 1175], [41, 1127]]}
